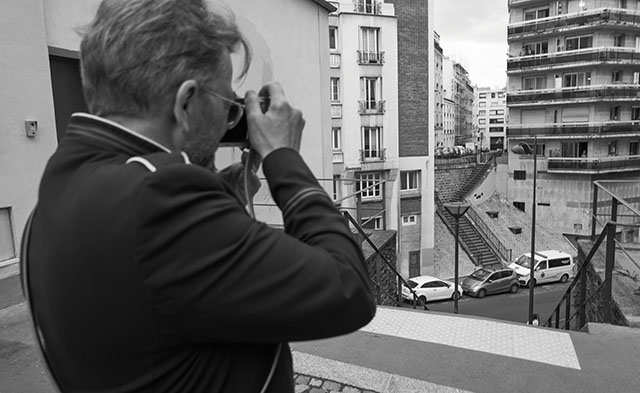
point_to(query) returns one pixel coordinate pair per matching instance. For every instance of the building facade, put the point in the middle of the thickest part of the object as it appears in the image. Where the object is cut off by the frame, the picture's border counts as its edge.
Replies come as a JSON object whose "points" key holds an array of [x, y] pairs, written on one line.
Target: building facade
{"points": [[459, 89], [573, 93], [41, 87], [382, 123], [438, 91], [491, 115]]}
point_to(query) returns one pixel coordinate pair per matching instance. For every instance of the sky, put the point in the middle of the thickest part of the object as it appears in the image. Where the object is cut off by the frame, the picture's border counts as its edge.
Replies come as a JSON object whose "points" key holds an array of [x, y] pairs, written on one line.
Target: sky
{"points": [[474, 33]]}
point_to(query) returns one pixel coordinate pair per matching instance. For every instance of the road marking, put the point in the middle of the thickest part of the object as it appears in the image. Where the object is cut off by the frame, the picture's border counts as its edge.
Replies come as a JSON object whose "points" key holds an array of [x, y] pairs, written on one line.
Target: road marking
{"points": [[498, 338]]}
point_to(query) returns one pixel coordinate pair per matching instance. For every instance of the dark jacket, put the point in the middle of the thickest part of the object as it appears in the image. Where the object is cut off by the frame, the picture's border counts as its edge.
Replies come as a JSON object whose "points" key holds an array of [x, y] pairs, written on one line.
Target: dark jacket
{"points": [[149, 276]]}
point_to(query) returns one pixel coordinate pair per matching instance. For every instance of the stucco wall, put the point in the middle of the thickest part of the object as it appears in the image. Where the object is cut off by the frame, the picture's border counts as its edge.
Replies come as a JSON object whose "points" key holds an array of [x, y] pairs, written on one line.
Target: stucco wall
{"points": [[290, 43]]}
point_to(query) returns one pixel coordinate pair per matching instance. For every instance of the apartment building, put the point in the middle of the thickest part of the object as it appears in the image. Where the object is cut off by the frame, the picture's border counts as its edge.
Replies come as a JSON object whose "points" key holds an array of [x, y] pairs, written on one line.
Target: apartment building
{"points": [[573, 92], [382, 123], [439, 91], [458, 88], [491, 114]]}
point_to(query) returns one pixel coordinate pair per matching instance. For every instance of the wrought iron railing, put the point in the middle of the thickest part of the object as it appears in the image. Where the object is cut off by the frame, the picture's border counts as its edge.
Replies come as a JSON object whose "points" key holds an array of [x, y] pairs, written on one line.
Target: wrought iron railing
{"points": [[370, 57], [373, 155], [589, 298], [371, 107], [367, 6]]}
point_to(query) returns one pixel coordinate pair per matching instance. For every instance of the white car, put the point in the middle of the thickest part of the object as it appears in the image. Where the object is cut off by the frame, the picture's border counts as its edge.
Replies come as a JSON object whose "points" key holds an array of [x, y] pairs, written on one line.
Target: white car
{"points": [[549, 266], [429, 288]]}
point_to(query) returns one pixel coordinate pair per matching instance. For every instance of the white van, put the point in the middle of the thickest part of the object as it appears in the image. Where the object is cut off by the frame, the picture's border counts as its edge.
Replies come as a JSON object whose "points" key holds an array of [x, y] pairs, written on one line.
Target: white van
{"points": [[550, 265]]}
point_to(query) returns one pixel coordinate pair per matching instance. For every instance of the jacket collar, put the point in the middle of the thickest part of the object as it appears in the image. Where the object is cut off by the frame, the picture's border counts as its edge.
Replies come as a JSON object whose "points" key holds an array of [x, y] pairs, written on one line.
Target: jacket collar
{"points": [[107, 132]]}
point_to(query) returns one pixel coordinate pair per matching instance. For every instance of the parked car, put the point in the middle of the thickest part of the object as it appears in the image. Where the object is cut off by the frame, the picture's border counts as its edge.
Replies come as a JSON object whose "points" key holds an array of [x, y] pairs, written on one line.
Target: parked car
{"points": [[549, 266], [429, 288], [486, 281]]}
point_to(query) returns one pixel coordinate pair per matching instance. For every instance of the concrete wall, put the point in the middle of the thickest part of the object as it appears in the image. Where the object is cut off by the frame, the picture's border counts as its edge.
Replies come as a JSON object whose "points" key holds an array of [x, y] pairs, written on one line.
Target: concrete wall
{"points": [[290, 43]]}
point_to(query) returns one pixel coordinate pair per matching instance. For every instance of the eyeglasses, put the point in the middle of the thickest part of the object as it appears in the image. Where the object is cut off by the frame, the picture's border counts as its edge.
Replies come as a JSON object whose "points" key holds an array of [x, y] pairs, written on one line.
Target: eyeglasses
{"points": [[236, 108]]}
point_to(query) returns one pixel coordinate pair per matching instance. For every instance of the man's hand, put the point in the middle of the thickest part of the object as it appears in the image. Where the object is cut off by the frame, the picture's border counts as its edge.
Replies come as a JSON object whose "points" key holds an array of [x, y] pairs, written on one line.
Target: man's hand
{"points": [[280, 126]]}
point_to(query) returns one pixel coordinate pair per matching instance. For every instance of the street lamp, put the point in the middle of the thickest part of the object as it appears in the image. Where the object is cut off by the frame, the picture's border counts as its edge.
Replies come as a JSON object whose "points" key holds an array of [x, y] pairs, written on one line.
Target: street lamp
{"points": [[457, 210], [525, 148]]}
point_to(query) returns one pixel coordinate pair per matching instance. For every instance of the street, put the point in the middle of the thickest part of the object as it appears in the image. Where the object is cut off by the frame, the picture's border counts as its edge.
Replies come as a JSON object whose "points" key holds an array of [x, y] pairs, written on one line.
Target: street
{"points": [[512, 307]]}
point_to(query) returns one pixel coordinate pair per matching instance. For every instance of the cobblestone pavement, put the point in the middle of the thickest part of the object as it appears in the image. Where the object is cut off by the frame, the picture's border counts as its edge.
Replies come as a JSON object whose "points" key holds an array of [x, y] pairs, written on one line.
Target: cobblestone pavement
{"points": [[309, 384]]}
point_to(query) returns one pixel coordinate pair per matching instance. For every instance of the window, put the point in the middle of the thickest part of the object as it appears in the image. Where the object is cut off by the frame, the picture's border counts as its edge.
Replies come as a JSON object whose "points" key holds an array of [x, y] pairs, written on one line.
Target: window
{"points": [[622, 3], [519, 175], [482, 121], [496, 112], [558, 262], [369, 39], [573, 149], [7, 246], [482, 104], [335, 89], [365, 180], [409, 220], [618, 40], [542, 265], [336, 187], [613, 148], [333, 38], [372, 223], [636, 76], [635, 113], [534, 83], [581, 42], [633, 148], [409, 180], [616, 76], [496, 121], [370, 91], [576, 79], [371, 142], [536, 13], [493, 95], [535, 48], [336, 137], [500, 94], [482, 112], [614, 113], [496, 129], [367, 6], [482, 96], [519, 205]]}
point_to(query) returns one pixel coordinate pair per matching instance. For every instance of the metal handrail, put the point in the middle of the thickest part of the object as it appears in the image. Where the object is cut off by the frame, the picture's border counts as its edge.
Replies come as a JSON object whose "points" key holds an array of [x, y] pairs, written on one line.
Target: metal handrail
{"points": [[386, 261]]}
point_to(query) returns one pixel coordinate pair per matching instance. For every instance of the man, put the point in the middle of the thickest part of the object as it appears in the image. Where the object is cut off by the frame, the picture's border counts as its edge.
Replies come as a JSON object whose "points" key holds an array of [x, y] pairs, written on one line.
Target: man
{"points": [[146, 274]]}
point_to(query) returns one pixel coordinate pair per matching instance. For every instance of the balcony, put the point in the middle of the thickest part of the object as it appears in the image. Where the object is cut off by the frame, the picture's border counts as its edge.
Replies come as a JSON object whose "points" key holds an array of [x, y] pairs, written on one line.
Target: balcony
{"points": [[561, 130], [593, 165], [334, 60], [370, 155], [600, 93], [336, 111], [572, 58], [371, 107], [371, 58], [578, 20], [372, 7]]}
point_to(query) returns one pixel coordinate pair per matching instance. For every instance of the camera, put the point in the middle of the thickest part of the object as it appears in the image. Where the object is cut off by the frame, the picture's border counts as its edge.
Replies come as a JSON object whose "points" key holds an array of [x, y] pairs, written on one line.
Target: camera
{"points": [[237, 136]]}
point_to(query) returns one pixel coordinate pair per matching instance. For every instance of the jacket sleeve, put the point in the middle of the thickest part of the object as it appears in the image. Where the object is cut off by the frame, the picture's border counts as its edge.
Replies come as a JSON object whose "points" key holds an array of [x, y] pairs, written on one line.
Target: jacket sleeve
{"points": [[215, 274]]}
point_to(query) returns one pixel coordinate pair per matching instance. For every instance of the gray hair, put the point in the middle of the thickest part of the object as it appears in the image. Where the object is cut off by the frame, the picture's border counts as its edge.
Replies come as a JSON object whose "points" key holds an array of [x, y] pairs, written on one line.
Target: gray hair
{"points": [[136, 53]]}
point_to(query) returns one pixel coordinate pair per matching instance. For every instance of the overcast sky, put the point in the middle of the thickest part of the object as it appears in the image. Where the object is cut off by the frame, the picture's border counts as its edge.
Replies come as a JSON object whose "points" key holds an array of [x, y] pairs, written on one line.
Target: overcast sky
{"points": [[474, 33]]}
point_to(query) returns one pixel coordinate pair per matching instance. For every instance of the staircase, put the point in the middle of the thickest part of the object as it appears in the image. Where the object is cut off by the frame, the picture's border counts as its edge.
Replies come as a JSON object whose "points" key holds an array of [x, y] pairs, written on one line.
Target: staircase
{"points": [[480, 171], [472, 241]]}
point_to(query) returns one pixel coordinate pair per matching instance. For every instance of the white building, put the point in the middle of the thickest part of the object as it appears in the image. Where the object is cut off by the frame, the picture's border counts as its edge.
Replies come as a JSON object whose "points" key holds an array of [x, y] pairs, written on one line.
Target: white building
{"points": [[491, 118]]}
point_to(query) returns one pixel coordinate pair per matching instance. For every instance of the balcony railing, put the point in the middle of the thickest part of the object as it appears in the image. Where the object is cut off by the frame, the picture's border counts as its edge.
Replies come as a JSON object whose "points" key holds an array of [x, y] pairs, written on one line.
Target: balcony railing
{"points": [[336, 111], [371, 107], [334, 60], [369, 57], [367, 7], [338, 157], [607, 55], [619, 92], [593, 165], [595, 17], [373, 155], [613, 127]]}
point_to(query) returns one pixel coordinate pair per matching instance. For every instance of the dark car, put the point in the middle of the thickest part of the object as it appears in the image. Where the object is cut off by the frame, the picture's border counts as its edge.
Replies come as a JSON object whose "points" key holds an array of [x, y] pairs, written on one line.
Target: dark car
{"points": [[486, 281]]}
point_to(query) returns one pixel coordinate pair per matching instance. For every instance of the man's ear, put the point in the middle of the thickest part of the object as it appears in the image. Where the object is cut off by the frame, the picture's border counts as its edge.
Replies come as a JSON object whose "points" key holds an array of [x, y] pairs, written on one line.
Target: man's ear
{"points": [[184, 104]]}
